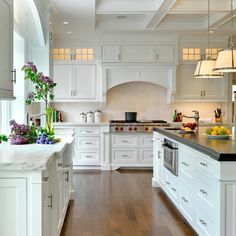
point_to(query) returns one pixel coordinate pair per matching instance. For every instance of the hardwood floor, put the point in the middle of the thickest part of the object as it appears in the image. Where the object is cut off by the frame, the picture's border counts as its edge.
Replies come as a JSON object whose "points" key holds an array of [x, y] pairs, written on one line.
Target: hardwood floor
{"points": [[121, 203]]}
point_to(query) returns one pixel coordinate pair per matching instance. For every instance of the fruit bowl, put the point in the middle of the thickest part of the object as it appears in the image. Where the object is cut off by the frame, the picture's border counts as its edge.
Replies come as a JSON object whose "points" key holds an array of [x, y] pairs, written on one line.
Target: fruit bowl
{"points": [[217, 132]]}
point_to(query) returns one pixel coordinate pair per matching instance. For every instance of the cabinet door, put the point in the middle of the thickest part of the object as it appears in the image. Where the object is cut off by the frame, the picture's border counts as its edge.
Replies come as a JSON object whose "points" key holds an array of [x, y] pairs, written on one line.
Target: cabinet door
{"points": [[85, 82], [164, 53], [6, 48], [215, 89], [111, 53], [13, 207], [138, 53], [63, 76], [189, 87]]}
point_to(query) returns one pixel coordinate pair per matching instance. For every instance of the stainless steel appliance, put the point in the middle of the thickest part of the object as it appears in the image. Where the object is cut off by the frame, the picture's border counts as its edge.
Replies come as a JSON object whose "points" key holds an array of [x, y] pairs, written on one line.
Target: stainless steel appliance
{"points": [[122, 126], [171, 156]]}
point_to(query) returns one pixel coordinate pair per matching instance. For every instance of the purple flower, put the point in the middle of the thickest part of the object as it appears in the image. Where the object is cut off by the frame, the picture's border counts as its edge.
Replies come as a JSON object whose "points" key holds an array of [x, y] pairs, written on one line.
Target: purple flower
{"points": [[12, 122], [31, 66]]}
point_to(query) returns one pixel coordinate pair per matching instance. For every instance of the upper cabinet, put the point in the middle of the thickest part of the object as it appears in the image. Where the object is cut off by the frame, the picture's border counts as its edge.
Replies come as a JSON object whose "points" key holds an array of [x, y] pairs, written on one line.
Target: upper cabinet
{"points": [[111, 53], [138, 53], [190, 88], [6, 49], [76, 82]]}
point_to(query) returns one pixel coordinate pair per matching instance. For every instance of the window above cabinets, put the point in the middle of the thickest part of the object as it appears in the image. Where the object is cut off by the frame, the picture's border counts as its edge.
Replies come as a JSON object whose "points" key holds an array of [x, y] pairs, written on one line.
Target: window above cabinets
{"points": [[190, 55], [81, 54]]}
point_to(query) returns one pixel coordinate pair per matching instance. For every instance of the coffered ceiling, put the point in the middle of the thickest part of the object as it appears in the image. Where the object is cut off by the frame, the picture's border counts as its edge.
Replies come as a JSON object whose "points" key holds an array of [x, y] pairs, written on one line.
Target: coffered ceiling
{"points": [[164, 16]]}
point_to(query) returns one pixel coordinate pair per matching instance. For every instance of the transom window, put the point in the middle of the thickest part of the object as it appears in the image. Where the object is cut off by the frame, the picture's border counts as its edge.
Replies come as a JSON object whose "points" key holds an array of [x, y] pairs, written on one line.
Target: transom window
{"points": [[78, 54], [191, 54], [212, 52], [61, 54]]}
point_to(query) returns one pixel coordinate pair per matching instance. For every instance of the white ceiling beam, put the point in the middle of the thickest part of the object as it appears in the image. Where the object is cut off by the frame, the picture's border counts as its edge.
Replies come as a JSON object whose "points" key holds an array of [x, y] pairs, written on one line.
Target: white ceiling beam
{"points": [[160, 14]]}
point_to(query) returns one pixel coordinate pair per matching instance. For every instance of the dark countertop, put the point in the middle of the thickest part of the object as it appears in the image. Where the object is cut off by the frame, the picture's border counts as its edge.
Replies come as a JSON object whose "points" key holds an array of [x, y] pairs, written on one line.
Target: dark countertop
{"points": [[218, 149]]}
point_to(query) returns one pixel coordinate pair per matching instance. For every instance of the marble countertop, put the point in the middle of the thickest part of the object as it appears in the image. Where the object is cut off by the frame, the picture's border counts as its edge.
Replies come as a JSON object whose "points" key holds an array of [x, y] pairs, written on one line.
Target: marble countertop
{"points": [[58, 124], [30, 156], [218, 149]]}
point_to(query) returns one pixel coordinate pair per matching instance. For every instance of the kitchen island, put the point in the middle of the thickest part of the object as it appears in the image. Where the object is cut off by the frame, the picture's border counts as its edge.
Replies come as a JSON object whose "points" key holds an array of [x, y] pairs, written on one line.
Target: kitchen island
{"points": [[199, 177], [35, 187]]}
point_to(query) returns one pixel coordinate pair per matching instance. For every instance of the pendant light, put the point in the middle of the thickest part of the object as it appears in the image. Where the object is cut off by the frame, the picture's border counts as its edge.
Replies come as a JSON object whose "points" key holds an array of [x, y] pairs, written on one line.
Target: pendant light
{"points": [[226, 59], [206, 65]]}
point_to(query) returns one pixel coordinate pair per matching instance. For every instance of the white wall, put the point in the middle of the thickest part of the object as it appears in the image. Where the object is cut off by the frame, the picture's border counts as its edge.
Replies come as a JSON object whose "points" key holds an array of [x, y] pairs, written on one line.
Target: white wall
{"points": [[147, 99]]}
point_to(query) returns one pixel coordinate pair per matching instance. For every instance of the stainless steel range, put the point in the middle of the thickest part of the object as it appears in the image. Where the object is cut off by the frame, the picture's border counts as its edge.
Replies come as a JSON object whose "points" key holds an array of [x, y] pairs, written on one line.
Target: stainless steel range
{"points": [[121, 126]]}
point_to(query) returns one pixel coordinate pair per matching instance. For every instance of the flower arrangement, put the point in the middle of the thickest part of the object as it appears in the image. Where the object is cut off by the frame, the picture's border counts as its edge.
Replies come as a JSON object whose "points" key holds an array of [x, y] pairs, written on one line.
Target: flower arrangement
{"points": [[43, 91], [22, 134]]}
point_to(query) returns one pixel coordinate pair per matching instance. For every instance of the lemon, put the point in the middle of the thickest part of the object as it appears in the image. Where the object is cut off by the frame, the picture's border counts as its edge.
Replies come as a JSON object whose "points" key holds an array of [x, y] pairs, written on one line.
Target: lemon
{"points": [[216, 128], [214, 132], [227, 131]]}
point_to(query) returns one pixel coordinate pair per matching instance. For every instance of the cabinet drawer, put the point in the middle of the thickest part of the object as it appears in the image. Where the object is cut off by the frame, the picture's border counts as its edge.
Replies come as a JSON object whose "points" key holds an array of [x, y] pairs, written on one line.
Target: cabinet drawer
{"points": [[88, 143], [186, 165], [124, 156], [87, 157], [204, 224], [88, 131], [124, 141], [146, 156], [207, 193], [206, 165], [146, 141], [187, 202]]}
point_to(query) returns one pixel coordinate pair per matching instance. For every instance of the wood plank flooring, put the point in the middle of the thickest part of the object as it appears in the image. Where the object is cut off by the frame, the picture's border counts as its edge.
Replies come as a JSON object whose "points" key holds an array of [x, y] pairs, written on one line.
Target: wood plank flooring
{"points": [[121, 203]]}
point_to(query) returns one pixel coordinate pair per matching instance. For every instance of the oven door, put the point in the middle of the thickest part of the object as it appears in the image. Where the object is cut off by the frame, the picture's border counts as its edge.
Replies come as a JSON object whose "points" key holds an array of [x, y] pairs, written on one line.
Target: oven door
{"points": [[171, 159]]}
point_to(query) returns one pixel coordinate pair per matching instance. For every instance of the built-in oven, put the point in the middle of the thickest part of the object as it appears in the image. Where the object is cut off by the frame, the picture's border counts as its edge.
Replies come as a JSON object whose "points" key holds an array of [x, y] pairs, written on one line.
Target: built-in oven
{"points": [[171, 156]]}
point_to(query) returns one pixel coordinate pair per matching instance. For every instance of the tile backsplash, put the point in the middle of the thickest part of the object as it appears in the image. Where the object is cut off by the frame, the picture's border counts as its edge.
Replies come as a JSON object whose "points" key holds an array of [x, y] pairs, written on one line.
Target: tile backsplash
{"points": [[147, 99]]}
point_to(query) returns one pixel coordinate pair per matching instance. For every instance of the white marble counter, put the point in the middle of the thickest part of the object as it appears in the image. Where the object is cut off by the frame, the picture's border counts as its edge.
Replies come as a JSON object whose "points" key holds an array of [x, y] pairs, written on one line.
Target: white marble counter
{"points": [[62, 124], [30, 156]]}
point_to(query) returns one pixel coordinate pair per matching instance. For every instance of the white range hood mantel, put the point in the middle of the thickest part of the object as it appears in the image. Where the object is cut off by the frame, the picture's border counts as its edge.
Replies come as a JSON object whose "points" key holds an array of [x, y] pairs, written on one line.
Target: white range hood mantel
{"points": [[164, 76]]}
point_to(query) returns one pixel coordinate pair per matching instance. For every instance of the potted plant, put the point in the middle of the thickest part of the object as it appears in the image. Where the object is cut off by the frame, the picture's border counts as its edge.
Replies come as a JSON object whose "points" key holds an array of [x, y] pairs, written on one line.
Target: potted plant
{"points": [[43, 91]]}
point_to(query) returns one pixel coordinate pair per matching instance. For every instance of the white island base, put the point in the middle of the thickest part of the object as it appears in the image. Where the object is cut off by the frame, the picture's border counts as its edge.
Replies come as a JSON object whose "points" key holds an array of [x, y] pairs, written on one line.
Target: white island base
{"points": [[204, 190], [35, 188]]}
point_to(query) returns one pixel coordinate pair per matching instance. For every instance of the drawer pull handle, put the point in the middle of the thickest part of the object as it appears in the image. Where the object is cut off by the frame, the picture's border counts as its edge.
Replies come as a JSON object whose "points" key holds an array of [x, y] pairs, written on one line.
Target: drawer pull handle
{"points": [[168, 182], [50, 197], [89, 132], [184, 199], [203, 191], [88, 156], [124, 141], [185, 164], [159, 155], [124, 155], [67, 176], [203, 164], [173, 189], [203, 222], [88, 143]]}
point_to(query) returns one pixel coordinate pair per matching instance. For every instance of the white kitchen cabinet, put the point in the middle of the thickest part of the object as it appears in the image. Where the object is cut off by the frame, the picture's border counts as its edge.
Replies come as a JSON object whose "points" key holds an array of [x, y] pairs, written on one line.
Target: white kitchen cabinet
{"points": [[75, 82], [190, 88], [164, 54], [13, 207], [138, 53], [111, 53], [131, 150], [6, 48], [88, 146]]}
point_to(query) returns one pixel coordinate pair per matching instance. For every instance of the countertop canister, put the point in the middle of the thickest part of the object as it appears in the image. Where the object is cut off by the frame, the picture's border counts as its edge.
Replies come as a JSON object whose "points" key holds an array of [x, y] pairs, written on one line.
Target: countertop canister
{"points": [[90, 117], [97, 116]]}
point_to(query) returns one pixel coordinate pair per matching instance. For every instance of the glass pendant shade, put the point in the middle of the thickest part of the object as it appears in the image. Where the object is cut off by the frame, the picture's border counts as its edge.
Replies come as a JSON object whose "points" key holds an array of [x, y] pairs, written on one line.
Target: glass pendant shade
{"points": [[204, 70], [226, 61]]}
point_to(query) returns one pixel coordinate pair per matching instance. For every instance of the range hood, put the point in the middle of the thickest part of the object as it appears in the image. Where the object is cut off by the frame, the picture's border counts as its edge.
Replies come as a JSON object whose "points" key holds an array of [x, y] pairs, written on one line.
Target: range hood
{"points": [[164, 76]]}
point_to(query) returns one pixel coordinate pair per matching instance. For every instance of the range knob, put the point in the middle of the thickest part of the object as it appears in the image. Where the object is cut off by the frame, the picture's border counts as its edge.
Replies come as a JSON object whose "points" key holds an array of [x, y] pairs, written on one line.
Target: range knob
{"points": [[130, 128], [121, 128], [135, 128], [146, 128], [116, 129]]}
